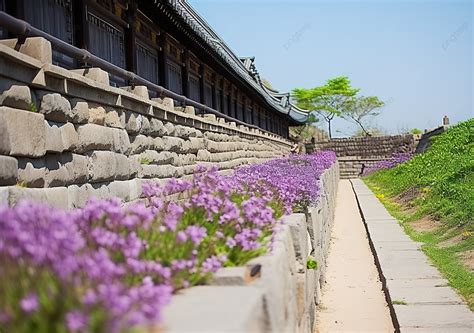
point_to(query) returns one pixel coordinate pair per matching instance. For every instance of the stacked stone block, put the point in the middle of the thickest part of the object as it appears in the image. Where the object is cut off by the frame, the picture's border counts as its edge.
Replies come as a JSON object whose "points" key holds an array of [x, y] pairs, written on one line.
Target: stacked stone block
{"points": [[353, 153], [69, 134]]}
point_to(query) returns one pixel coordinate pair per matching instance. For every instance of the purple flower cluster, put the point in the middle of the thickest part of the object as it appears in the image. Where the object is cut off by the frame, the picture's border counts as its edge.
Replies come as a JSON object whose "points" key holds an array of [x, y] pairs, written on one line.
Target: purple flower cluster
{"points": [[392, 161], [293, 179], [108, 267]]}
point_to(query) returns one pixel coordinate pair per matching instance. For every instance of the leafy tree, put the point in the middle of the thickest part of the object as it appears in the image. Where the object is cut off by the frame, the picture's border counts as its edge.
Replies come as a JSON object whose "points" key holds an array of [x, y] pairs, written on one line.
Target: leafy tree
{"points": [[328, 100], [357, 109]]}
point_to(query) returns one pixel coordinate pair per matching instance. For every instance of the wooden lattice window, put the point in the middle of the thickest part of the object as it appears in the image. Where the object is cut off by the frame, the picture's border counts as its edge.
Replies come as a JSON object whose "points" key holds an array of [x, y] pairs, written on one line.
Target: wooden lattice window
{"points": [[147, 62], [175, 81], [106, 41], [51, 16], [194, 88]]}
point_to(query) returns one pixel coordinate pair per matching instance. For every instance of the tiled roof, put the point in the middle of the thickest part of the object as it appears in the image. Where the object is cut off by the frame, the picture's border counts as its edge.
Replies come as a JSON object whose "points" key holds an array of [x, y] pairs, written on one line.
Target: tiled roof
{"points": [[244, 67]]}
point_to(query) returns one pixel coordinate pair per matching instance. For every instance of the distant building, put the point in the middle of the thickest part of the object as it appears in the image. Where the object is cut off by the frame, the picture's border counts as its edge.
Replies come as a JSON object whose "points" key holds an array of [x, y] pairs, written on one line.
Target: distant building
{"points": [[167, 43]]}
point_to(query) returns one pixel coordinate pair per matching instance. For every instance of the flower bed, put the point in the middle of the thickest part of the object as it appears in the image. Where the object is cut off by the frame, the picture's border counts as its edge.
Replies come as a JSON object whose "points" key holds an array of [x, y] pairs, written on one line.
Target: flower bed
{"points": [[392, 161], [109, 267]]}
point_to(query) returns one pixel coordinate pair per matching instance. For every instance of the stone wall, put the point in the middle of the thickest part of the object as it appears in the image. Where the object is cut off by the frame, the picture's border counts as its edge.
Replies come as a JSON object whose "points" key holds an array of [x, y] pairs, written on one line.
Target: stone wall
{"points": [[275, 292], [354, 153], [67, 135]]}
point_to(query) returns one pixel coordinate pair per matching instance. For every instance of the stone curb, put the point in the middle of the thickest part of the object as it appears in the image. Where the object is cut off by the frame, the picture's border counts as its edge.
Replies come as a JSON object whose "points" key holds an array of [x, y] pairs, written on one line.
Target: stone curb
{"points": [[408, 276]]}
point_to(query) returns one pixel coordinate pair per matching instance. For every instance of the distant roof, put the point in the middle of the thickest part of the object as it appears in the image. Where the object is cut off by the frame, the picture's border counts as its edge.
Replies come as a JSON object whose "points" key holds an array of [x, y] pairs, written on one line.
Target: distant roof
{"points": [[243, 66]]}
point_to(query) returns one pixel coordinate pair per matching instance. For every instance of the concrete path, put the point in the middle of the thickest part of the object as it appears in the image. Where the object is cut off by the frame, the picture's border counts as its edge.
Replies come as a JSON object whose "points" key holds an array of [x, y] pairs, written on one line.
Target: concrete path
{"points": [[423, 300], [352, 297]]}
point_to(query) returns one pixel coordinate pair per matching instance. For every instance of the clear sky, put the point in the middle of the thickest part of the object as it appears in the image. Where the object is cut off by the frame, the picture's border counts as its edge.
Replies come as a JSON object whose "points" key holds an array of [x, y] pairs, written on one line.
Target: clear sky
{"points": [[417, 56]]}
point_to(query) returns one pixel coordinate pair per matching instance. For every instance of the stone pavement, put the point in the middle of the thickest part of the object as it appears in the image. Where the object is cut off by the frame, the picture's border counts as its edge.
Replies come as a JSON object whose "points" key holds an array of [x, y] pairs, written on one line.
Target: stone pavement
{"points": [[352, 296], [430, 305]]}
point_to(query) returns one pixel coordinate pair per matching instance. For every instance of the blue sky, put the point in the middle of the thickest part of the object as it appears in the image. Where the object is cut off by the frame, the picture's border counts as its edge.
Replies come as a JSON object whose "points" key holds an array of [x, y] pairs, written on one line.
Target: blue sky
{"points": [[414, 55]]}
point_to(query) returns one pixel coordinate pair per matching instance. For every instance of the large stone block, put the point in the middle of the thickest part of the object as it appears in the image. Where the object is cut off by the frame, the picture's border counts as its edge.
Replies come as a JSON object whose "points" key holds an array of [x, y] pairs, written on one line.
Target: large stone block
{"points": [[133, 123], [140, 143], [216, 309], [170, 128], [54, 106], [78, 195], [184, 131], [157, 171], [56, 197], [96, 137], [54, 141], [203, 155], [192, 145], [95, 74], [8, 170], [35, 47], [60, 137], [278, 283], [121, 189], [22, 133], [172, 143], [157, 128], [159, 158], [18, 97], [31, 172], [106, 165], [66, 169], [69, 137], [80, 111], [97, 115]]}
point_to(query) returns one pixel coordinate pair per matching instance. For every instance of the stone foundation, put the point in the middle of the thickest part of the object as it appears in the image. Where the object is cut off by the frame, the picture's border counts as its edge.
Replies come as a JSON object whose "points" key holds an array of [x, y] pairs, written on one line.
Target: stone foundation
{"points": [[67, 135], [272, 293]]}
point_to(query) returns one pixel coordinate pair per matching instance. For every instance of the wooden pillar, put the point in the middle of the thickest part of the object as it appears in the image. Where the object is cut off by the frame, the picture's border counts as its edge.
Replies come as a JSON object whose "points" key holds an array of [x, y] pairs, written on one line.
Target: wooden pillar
{"points": [[130, 38], [81, 26], [185, 73], [162, 59], [202, 73]]}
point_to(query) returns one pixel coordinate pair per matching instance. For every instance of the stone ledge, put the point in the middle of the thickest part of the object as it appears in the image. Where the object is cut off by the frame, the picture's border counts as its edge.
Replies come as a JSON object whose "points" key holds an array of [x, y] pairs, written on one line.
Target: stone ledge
{"points": [[60, 78]]}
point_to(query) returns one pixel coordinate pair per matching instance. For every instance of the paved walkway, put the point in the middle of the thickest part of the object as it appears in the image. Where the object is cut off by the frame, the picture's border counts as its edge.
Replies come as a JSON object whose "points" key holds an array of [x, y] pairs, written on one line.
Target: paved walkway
{"points": [[428, 303], [352, 298]]}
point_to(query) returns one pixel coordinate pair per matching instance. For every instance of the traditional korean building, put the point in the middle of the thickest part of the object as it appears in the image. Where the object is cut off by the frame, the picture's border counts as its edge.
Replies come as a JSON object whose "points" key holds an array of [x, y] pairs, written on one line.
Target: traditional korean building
{"points": [[167, 43]]}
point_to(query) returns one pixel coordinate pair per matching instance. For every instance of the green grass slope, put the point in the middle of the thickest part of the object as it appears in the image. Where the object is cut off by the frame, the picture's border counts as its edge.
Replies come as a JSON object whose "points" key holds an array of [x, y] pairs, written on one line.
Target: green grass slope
{"points": [[441, 181], [437, 185]]}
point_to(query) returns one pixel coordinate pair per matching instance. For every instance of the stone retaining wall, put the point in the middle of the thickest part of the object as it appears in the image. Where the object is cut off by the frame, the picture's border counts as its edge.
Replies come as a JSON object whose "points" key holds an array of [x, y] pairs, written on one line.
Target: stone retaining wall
{"points": [[353, 153], [67, 135], [272, 293]]}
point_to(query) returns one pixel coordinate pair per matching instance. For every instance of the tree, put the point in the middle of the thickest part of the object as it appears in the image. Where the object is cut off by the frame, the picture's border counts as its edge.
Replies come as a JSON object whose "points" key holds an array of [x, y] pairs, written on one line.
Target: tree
{"points": [[357, 109], [328, 100]]}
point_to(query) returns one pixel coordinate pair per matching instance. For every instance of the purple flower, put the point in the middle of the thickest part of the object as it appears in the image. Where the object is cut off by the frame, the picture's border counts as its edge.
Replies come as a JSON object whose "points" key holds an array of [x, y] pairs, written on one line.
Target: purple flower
{"points": [[196, 233], [76, 321], [30, 303]]}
